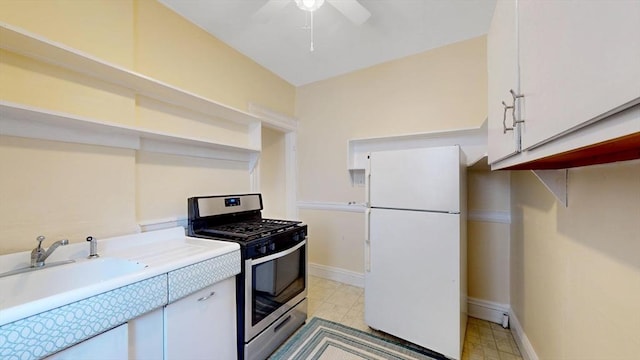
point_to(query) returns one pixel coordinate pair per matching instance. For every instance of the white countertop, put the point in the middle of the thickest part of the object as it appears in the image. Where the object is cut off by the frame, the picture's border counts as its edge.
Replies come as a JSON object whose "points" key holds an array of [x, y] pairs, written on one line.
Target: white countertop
{"points": [[159, 252]]}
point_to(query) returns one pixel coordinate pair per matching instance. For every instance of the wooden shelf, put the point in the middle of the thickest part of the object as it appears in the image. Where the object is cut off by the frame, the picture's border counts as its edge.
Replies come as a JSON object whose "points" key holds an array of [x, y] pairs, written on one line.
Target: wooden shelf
{"points": [[25, 121], [34, 46]]}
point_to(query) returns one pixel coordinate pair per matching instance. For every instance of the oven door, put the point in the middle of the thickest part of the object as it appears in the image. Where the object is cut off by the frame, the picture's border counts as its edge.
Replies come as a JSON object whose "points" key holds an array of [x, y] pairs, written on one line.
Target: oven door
{"points": [[273, 285]]}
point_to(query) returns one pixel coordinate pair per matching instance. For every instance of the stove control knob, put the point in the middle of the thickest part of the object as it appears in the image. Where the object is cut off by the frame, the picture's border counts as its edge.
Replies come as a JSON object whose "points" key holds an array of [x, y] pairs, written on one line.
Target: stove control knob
{"points": [[272, 246], [296, 237], [262, 249]]}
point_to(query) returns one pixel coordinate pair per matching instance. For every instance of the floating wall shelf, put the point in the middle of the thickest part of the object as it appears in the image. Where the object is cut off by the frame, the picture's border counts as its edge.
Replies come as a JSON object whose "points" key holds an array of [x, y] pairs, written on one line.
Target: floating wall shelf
{"points": [[36, 47], [28, 121], [473, 142], [25, 121]]}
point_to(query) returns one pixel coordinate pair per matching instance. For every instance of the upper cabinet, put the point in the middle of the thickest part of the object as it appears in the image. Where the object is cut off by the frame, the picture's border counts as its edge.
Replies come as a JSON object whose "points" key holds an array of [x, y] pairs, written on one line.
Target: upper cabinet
{"points": [[502, 66], [575, 77], [579, 61]]}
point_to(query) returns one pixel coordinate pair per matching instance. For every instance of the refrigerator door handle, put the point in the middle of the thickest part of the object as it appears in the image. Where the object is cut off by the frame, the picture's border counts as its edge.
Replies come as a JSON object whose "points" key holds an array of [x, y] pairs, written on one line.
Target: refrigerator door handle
{"points": [[367, 240], [367, 182]]}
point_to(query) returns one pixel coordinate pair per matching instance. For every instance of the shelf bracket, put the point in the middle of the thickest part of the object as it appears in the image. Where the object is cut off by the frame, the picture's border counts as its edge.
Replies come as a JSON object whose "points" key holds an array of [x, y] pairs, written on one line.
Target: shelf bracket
{"points": [[556, 182]]}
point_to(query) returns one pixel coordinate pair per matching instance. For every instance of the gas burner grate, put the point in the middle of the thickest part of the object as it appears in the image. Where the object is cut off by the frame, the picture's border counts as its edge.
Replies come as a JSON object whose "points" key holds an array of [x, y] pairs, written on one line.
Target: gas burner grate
{"points": [[248, 230]]}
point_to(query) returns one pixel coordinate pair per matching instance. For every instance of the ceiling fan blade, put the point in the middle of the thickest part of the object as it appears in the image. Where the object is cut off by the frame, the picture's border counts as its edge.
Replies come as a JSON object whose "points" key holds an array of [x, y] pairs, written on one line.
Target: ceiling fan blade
{"points": [[269, 9], [352, 9]]}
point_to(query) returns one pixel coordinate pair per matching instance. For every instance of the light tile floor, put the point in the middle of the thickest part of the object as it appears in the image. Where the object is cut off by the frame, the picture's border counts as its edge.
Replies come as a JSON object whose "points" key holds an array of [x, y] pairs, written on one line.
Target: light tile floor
{"points": [[344, 304]]}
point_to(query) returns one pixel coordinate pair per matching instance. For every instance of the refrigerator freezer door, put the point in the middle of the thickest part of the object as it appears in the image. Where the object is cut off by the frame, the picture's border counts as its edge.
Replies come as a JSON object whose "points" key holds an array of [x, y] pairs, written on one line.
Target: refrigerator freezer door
{"points": [[417, 179], [412, 289]]}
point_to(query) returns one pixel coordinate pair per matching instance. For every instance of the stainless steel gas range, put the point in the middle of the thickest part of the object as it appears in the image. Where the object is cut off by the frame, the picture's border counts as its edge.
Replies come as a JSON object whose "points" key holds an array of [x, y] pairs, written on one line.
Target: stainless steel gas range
{"points": [[271, 290]]}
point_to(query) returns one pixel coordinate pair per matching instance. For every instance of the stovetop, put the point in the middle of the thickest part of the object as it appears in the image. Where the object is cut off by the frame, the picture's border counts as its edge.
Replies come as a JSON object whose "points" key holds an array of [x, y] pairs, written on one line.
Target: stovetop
{"points": [[246, 231], [238, 218]]}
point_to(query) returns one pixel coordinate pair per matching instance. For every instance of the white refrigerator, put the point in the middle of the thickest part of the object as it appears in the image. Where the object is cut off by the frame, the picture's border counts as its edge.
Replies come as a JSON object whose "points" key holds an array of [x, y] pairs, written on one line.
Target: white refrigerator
{"points": [[415, 246]]}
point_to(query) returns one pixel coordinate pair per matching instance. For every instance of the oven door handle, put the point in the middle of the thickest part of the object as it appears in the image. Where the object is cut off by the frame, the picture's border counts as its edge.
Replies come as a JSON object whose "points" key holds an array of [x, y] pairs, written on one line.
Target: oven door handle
{"points": [[279, 254]]}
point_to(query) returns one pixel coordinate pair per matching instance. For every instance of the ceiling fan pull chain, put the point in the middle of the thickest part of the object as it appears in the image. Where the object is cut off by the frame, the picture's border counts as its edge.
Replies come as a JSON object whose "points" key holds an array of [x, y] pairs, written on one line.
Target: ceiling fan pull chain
{"points": [[311, 49], [306, 20]]}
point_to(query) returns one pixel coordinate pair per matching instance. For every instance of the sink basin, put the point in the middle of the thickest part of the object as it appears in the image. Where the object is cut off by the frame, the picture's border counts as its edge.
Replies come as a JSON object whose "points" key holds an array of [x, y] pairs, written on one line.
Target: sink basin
{"points": [[40, 284]]}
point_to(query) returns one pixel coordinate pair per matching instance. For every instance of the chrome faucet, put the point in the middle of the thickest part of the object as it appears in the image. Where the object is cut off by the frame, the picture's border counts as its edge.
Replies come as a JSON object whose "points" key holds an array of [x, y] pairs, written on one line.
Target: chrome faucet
{"points": [[39, 255]]}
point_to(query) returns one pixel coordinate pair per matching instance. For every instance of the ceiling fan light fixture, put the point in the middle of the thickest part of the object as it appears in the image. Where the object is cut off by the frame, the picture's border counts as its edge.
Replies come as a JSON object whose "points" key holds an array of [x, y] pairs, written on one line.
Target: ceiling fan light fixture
{"points": [[309, 5]]}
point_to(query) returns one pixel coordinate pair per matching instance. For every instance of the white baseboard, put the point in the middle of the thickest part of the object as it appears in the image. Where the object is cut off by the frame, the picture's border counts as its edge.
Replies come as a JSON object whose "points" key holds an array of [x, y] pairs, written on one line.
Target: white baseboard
{"points": [[336, 274], [487, 310], [492, 311], [528, 353]]}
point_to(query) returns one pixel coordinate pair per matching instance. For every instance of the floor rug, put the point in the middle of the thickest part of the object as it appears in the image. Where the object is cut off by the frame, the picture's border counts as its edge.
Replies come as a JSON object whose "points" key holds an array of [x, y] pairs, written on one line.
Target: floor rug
{"points": [[321, 339]]}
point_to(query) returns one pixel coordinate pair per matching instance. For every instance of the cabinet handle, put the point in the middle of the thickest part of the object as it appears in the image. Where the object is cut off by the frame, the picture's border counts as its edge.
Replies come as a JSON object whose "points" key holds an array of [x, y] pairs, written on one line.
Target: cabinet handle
{"points": [[208, 296], [513, 112], [513, 107], [504, 118]]}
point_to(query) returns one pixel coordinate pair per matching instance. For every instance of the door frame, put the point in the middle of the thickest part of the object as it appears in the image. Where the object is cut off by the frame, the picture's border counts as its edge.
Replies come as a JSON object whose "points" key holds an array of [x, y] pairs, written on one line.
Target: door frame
{"points": [[289, 126]]}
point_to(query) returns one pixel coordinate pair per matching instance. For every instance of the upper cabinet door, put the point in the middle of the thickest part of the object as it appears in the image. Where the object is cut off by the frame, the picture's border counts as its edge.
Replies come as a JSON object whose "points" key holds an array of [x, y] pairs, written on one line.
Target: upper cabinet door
{"points": [[502, 66], [579, 61]]}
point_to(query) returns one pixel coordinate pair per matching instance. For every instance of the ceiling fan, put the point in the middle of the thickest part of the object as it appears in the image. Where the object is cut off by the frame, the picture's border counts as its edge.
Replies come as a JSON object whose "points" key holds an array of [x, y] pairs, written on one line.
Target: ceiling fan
{"points": [[351, 9]]}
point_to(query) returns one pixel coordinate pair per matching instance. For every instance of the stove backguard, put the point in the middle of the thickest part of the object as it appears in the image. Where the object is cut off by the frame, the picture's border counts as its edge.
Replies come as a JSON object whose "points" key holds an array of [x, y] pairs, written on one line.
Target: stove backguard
{"points": [[210, 211]]}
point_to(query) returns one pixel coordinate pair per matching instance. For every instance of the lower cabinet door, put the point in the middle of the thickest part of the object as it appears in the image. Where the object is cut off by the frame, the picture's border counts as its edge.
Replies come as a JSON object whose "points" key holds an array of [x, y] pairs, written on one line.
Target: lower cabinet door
{"points": [[146, 336], [110, 344], [202, 325]]}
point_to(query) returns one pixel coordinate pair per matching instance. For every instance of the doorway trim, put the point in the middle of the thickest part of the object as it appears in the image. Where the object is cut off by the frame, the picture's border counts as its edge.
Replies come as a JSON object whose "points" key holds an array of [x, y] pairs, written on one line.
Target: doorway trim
{"points": [[289, 126]]}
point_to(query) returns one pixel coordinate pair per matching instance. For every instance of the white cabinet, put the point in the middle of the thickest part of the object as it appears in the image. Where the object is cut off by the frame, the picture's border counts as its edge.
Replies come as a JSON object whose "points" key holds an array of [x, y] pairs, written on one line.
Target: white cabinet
{"points": [[502, 68], [146, 334], [203, 324], [111, 344], [579, 60], [576, 65]]}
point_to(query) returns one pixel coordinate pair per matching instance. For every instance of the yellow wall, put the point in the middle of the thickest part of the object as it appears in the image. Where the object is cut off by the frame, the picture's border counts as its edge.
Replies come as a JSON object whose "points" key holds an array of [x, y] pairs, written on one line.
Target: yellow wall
{"points": [[441, 89], [272, 174], [575, 285], [102, 28], [488, 243], [336, 239], [164, 182], [63, 190], [202, 64], [34, 83], [70, 190]]}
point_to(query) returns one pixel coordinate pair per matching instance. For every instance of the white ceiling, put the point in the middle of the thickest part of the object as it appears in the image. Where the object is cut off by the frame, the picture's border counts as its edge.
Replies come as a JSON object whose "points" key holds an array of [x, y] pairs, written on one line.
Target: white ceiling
{"points": [[396, 28]]}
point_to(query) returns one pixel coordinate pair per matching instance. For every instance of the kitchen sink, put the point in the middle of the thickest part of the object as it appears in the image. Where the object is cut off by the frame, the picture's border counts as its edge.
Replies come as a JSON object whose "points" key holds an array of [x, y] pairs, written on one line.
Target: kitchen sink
{"points": [[29, 286]]}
